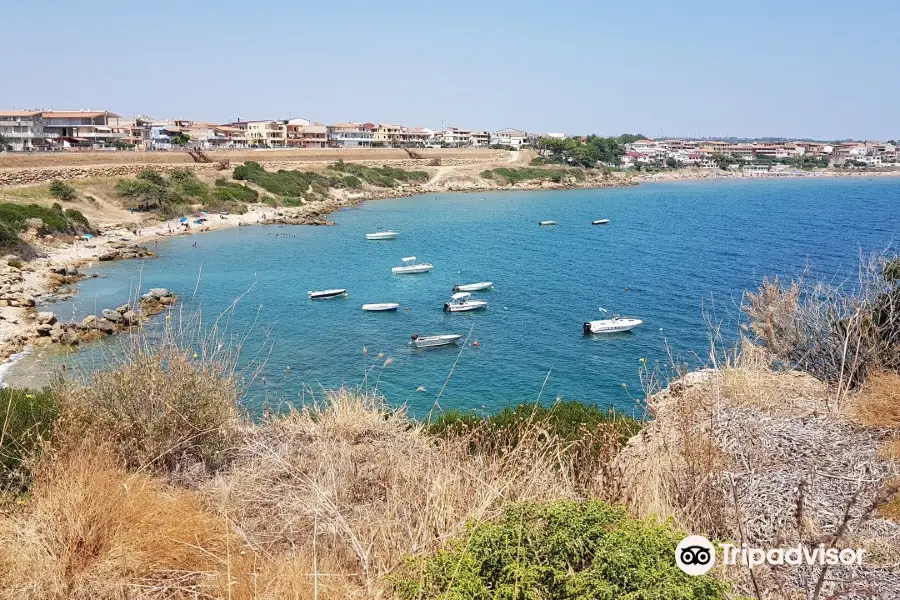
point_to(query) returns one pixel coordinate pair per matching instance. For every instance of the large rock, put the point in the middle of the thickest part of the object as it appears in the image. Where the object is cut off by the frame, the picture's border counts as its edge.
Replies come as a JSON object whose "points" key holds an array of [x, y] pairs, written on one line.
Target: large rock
{"points": [[130, 317], [156, 293], [89, 322], [71, 271], [69, 338], [105, 326], [44, 329], [112, 315], [111, 255], [46, 318]]}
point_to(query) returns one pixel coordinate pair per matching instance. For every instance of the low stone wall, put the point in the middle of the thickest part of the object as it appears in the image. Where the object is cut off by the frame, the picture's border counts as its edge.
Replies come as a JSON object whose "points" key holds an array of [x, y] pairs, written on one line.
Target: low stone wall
{"points": [[9, 177]]}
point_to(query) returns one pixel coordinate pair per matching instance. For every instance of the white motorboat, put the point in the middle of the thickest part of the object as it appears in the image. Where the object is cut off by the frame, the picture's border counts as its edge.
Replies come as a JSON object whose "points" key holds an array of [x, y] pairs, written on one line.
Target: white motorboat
{"points": [[460, 303], [473, 287], [600, 222], [381, 306], [435, 341], [382, 235], [546, 222], [411, 266], [323, 294], [615, 325]]}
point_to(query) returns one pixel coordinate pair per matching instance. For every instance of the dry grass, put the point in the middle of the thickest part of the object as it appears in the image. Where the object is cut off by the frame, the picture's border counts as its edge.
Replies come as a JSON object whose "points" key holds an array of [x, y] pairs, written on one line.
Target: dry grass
{"points": [[361, 489], [878, 402], [93, 531], [165, 410]]}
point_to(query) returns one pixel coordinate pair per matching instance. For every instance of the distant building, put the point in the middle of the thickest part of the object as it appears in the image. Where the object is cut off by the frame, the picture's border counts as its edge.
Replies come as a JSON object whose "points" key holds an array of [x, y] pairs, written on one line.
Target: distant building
{"points": [[455, 137], [350, 135], [23, 129], [387, 135], [417, 137], [267, 134], [509, 137], [481, 138], [80, 128], [307, 136]]}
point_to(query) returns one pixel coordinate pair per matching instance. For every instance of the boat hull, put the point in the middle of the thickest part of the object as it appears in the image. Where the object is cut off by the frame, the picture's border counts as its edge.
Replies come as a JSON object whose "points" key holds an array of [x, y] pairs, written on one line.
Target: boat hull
{"points": [[465, 306], [473, 287], [436, 341], [610, 325], [546, 223], [381, 307], [411, 270], [383, 235], [325, 294], [600, 222]]}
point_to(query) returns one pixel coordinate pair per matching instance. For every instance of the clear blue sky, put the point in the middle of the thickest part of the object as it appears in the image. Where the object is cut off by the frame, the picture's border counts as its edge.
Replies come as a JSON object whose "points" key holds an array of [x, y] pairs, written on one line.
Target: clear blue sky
{"points": [[802, 68]]}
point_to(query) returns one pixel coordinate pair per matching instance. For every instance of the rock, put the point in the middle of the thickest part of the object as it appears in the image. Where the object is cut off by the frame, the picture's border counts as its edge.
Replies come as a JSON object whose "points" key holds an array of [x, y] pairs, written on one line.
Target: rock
{"points": [[123, 309], [156, 293], [4, 303], [130, 317], [71, 271], [46, 318], [26, 301], [69, 338], [56, 333], [112, 315], [44, 330], [111, 255], [105, 326], [34, 223], [89, 322], [167, 300], [58, 270]]}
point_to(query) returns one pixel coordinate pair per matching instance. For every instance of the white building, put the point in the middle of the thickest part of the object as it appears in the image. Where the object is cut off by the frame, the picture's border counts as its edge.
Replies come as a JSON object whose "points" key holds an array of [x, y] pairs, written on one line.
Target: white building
{"points": [[508, 137], [22, 129], [455, 137], [350, 135]]}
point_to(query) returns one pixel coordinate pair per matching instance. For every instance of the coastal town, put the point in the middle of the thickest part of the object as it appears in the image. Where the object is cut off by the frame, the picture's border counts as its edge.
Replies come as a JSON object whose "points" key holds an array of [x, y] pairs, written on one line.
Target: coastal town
{"points": [[87, 129]]}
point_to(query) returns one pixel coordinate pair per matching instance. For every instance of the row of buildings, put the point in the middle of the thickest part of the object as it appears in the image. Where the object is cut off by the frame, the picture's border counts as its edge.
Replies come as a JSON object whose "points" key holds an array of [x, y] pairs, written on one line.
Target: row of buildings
{"points": [[48, 130], [704, 153]]}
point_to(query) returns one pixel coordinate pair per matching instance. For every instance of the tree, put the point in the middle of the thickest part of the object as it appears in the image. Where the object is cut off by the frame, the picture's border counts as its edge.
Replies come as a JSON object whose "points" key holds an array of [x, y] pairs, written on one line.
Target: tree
{"points": [[181, 139], [4, 143], [672, 163]]}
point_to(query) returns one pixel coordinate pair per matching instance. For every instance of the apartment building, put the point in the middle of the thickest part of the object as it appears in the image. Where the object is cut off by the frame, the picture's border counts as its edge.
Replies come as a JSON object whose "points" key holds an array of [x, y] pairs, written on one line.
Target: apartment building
{"points": [[509, 137], [350, 135], [454, 137], [417, 137], [266, 134], [81, 128], [387, 135], [307, 136], [22, 129], [481, 138]]}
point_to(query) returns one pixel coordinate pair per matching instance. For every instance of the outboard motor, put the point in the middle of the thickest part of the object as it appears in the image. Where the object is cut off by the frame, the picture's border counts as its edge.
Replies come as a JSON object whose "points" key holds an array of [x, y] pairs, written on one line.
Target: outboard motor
{"points": [[587, 327], [414, 336]]}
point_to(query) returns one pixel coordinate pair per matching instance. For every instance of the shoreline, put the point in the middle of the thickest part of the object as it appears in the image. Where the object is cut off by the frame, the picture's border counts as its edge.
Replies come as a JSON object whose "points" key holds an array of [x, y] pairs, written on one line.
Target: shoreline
{"points": [[40, 278]]}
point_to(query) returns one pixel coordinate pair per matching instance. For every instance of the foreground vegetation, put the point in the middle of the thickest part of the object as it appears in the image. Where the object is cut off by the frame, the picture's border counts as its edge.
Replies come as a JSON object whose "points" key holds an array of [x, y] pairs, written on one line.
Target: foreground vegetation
{"points": [[176, 194]]}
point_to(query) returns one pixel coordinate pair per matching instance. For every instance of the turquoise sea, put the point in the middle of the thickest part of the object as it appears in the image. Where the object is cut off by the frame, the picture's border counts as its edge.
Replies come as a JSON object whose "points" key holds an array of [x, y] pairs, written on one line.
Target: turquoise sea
{"points": [[671, 254]]}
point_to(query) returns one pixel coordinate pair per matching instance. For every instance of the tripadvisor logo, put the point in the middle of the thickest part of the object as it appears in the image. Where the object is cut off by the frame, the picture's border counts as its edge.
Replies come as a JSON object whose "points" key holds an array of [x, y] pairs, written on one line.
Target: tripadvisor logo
{"points": [[696, 555]]}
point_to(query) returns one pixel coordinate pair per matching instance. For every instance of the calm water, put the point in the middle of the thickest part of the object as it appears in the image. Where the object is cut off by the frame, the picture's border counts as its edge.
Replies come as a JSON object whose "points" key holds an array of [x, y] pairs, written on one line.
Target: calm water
{"points": [[670, 252]]}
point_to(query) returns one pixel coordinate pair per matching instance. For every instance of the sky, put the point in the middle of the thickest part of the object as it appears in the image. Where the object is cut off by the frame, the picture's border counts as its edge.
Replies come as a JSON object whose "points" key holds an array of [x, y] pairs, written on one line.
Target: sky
{"points": [[806, 69]]}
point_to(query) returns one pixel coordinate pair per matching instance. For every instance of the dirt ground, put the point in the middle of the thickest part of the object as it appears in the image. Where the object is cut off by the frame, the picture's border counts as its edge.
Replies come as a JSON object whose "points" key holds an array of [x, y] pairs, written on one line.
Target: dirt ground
{"points": [[11, 160]]}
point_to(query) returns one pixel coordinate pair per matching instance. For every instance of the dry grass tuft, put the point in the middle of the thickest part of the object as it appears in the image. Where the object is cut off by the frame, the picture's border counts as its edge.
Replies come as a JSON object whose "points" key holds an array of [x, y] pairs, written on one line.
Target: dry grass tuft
{"points": [[360, 488], [164, 410], [878, 403], [93, 531]]}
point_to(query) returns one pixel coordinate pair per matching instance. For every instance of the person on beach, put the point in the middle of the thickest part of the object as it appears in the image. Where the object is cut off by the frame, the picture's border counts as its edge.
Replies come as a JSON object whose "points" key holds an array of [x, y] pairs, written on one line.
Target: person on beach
{"points": [[195, 244]]}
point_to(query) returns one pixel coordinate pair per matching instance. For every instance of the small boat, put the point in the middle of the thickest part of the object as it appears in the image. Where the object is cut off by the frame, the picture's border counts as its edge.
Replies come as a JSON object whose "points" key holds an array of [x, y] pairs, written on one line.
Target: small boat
{"points": [[473, 287], [600, 222], [615, 325], [546, 222], [434, 341], [411, 266], [381, 306], [323, 294], [460, 303], [382, 235]]}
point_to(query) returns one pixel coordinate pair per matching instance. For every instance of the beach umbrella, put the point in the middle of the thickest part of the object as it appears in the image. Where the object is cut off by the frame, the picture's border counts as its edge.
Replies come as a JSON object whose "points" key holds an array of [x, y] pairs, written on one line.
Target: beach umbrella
{"points": [[182, 220]]}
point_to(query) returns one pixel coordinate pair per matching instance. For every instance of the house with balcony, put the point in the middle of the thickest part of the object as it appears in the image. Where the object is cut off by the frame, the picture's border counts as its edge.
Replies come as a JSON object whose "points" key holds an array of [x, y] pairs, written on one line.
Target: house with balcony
{"points": [[307, 136], [481, 139], [22, 130], [454, 137], [509, 137], [267, 134], [387, 135], [81, 128], [161, 134], [417, 137], [350, 135]]}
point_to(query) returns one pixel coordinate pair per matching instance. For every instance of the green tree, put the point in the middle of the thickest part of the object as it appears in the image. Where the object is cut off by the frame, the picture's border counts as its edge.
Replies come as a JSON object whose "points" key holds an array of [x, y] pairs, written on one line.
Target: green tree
{"points": [[4, 143], [672, 163], [181, 139]]}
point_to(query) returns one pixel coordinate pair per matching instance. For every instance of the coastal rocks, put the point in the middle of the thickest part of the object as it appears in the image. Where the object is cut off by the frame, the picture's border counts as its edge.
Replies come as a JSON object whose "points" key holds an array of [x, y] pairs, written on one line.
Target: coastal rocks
{"points": [[109, 322], [46, 318], [119, 250]]}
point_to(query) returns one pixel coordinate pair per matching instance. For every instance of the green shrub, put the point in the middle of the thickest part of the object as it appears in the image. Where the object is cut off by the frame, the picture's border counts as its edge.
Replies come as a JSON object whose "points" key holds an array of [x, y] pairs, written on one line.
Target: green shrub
{"points": [[76, 216], [14, 216], [57, 207], [145, 194], [27, 418], [64, 192], [186, 182], [230, 206], [512, 176], [8, 236], [352, 181], [385, 177], [14, 262], [562, 550], [225, 190], [154, 177]]}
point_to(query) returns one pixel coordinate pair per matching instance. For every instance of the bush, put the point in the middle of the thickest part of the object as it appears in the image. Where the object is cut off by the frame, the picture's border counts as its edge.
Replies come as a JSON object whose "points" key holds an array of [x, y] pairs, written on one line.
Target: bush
{"points": [[160, 410], [76, 216], [587, 437], [223, 206], [152, 176], [225, 190], [14, 262], [186, 182], [8, 236], [563, 550], [513, 176], [27, 418], [145, 194], [64, 192], [15, 217], [385, 177]]}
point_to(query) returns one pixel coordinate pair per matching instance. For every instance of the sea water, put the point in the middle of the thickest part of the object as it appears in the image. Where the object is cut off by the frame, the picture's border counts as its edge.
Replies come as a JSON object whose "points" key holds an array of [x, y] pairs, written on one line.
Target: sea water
{"points": [[679, 256]]}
